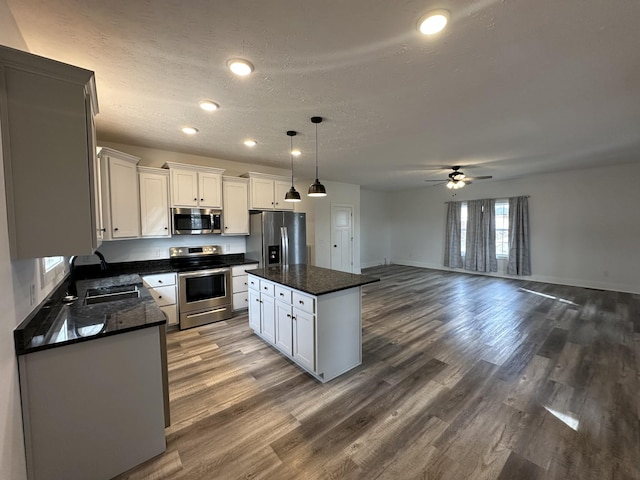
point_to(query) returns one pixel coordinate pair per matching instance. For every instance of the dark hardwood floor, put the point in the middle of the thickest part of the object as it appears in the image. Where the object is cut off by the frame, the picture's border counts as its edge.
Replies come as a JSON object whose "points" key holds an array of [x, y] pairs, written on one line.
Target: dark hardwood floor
{"points": [[463, 377]]}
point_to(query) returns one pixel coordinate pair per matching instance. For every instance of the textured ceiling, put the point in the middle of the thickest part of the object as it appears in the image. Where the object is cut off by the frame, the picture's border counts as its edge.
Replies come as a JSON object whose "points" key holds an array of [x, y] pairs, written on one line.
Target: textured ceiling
{"points": [[510, 88]]}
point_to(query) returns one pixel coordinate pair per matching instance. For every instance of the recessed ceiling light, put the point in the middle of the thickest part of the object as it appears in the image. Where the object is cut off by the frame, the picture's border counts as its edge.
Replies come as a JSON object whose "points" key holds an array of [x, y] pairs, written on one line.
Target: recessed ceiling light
{"points": [[295, 152], [208, 105], [240, 66], [189, 130], [250, 143], [434, 22]]}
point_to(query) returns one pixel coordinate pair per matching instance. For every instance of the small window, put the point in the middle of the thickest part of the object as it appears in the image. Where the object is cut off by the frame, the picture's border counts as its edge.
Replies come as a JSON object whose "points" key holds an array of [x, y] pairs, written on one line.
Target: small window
{"points": [[502, 228], [463, 229], [51, 270]]}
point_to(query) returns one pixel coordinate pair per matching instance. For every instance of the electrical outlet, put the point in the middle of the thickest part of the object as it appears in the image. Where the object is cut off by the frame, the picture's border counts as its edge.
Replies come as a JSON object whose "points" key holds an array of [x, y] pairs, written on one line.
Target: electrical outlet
{"points": [[32, 294]]}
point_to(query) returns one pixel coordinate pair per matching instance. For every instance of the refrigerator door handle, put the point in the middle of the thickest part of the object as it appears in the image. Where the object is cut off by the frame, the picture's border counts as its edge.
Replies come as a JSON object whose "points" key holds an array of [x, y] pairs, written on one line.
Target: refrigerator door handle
{"points": [[284, 241]]}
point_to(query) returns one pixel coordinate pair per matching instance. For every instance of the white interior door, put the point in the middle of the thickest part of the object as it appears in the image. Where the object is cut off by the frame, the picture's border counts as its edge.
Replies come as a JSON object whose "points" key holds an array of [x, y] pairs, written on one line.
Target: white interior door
{"points": [[342, 238]]}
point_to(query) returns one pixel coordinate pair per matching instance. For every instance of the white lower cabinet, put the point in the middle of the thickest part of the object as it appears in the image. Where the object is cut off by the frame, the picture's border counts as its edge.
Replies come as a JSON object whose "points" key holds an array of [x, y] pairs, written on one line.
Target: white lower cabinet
{"points": [[163, 289], [284, 327], [239, 286], [254, 310], [268, 317], [322, 334], [304, 345]]}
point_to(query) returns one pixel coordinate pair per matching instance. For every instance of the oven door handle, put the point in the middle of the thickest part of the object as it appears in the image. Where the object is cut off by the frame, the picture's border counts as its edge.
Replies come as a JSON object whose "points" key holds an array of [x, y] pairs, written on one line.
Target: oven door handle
{"points": [[208, 312], [202, 273]]}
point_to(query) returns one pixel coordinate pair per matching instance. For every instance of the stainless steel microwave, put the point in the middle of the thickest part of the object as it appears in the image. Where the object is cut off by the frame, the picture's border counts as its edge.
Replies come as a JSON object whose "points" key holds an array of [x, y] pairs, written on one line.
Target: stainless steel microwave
{"points": [[195, 221]]}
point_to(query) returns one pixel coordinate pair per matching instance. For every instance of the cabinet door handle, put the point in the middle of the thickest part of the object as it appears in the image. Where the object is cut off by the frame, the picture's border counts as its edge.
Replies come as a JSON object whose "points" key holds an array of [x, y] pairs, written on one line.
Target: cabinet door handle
{"points": [[258, 300], [166, 228], [301, 302], [288, 316], [293, 318], [245, 284], [195, 199], [159, 296], [271, 203], [202, 199], [115, 229], [281, 294], [102, 229], [159, 281]]}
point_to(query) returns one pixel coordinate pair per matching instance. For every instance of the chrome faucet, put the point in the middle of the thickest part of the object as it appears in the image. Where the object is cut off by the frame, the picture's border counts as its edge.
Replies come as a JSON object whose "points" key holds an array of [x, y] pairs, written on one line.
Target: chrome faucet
{"points": [[73, 290]]}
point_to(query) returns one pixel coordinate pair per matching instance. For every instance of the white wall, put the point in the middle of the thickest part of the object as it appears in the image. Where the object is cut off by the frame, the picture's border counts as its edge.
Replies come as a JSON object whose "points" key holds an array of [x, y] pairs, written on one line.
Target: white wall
{"points": [[15, 304], [585, 225], [375, 230], [318, 211]]}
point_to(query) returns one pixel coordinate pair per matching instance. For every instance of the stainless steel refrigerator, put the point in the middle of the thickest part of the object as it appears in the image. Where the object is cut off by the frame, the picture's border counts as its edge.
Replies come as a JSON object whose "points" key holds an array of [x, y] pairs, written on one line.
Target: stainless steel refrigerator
{"points": [[277, 238]]}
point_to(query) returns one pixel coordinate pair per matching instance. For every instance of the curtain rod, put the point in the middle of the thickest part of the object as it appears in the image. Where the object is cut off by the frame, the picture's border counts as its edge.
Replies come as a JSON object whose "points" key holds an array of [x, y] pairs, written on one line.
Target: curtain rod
{"points": [[454, 201]]}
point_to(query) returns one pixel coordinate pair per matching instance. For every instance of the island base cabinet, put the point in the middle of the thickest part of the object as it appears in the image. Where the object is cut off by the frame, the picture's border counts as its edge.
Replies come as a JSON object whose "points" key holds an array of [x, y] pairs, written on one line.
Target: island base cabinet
{"points": [[321, 334], [93, 409]]}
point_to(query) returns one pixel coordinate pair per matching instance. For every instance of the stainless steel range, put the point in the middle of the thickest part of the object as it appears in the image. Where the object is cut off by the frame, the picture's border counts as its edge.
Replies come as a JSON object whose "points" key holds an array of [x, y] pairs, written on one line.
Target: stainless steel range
{"points": [[204, 285]]}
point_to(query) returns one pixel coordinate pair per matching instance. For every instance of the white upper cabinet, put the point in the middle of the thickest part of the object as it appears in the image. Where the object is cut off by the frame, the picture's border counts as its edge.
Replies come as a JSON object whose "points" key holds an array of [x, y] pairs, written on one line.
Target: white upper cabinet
{"points": [[266, 192], [48, 151], [193, 186], [120, 199], [154, 202], [235, 206]]}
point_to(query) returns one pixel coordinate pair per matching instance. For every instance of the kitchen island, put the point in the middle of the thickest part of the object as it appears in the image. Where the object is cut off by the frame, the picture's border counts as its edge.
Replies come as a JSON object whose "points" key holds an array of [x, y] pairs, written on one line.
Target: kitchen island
{"points": [[93, 380], [312, 315]]}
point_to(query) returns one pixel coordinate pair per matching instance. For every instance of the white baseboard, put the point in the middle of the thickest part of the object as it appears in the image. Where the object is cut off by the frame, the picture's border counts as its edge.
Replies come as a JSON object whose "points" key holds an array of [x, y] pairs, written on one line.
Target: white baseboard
{"points": [[610, 286]]}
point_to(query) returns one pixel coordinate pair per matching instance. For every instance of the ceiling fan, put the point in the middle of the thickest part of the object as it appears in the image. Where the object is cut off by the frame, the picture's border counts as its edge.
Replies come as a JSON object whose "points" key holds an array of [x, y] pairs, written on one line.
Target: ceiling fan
{"points": [[458, 179]]}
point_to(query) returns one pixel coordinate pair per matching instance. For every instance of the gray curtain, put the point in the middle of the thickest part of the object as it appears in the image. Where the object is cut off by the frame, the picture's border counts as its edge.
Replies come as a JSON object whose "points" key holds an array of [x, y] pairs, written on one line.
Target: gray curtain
{"points": [[480, 254], [519, 245], [452, 256]]}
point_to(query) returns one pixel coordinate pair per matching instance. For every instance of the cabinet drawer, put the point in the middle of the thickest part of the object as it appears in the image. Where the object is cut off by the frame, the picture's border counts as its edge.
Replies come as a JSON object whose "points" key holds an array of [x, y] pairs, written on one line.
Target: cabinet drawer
{"points": [[159, 280], [240, 300], [171, 311], [267, 288], [304, 302], [164, 295], [254, 282], [283, 294], [242, 269], [239, 283]]}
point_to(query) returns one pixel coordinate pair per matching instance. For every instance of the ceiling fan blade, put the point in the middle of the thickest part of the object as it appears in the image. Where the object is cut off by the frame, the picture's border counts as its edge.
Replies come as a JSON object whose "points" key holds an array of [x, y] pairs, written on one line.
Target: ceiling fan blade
{"points": [[484, 177], [439, 180]]}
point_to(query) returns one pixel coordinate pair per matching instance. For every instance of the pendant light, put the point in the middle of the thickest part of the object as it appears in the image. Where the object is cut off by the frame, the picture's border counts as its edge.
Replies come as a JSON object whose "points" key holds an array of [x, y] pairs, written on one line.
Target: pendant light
{"points": [[292, 195], [317, 189]]}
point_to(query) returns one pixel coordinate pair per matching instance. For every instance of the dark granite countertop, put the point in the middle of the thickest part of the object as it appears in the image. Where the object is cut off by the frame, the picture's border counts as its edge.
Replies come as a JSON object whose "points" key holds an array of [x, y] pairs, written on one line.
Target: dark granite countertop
{"points": [[57, 323], [313, 280], [150, 267]]}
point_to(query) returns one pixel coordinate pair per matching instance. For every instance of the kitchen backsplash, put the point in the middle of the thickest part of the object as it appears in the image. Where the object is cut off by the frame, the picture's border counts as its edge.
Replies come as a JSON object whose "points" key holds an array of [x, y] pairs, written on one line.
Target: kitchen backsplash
{"points": [[156, 248]]}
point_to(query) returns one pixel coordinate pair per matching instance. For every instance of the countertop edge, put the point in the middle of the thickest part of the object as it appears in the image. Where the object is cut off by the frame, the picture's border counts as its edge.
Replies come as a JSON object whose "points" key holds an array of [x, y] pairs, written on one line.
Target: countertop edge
{"points": [[362, 280]]}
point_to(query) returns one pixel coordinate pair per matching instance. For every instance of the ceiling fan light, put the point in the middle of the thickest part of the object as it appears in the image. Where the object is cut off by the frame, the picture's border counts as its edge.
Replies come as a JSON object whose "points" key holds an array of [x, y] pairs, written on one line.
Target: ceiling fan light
{"points": [[450, 184], [316, 189]]}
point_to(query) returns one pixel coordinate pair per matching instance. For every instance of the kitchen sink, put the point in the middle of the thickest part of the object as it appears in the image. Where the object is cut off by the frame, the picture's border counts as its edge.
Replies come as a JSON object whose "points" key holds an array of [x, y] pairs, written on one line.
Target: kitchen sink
{"points": [[111, 294]]}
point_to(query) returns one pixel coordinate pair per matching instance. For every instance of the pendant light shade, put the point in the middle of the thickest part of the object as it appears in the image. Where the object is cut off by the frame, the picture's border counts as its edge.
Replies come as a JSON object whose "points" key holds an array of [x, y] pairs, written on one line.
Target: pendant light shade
{"points": [[292, 195], [316, 189]]}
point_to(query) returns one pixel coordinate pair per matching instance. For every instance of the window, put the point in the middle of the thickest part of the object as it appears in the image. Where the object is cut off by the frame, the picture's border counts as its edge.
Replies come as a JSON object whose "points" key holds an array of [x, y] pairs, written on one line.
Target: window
{"points": [[502, 228], [51, 268]]}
